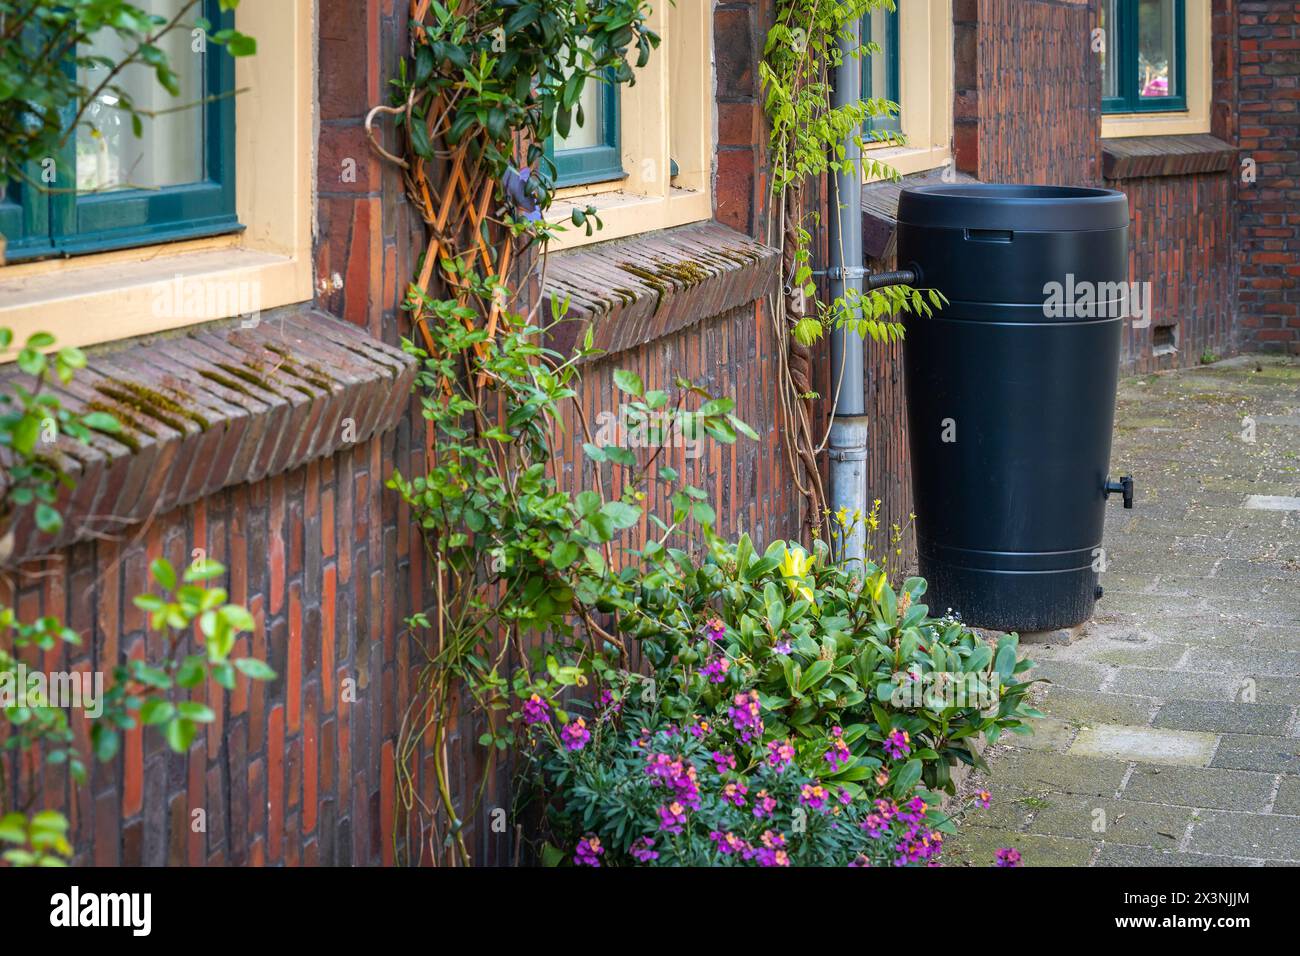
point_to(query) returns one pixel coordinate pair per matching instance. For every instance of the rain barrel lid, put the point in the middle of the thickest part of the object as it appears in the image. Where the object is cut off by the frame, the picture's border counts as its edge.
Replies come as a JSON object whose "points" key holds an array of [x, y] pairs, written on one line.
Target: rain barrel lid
{"points": [[1017, 208]]}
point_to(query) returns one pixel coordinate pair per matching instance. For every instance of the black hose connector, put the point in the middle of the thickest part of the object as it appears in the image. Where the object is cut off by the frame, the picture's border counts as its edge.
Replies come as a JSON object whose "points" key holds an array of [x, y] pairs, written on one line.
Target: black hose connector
{"points": [[1123, 487], [900, 277]]}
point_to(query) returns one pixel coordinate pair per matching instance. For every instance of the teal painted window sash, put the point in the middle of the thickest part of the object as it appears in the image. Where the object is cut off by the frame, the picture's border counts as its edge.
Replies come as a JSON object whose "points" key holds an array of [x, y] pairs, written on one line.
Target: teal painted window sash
{"points": [[42, 224], [593, 164], [1123, 43], [889, 50]]}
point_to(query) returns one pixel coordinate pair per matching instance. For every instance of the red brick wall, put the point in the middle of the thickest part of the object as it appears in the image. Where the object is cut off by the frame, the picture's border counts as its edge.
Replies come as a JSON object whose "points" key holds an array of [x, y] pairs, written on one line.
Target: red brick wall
{"points": [[291, 772], [1268, 37]]}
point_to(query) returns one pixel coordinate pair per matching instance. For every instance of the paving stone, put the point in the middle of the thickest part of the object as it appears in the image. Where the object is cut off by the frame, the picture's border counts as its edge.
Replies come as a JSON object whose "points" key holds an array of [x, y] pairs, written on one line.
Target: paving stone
{"points": [[1275, 690], [1038, 770], [1071, 674], [1224, 717], [1263, 836], [1200, 787], [1050, 733], [1009, 809], [1269, 754], [1123, 821], [1086, 707], [1149, 653], [1244, 659], [1147, 744], [1114, 854], [979, 846], [1173, 685], [1288, 797]]}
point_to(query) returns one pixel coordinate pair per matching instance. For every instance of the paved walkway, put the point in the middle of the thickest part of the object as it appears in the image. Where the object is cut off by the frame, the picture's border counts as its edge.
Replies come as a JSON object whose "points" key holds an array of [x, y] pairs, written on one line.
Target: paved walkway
{"points": [[1172, 735]]}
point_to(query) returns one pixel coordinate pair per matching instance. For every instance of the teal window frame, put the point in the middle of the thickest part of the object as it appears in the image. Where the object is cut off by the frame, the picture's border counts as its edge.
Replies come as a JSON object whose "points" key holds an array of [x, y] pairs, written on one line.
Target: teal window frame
{"points": [[889, 50], [39, 224], [1125, 35], [593, 164]]}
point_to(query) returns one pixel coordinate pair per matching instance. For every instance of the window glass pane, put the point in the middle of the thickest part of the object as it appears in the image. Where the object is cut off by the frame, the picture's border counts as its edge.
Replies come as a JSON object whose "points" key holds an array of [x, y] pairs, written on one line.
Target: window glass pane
{"points": [[875, 67], [1156, 48], [170, 153], [592, 130], [1110, 54]]}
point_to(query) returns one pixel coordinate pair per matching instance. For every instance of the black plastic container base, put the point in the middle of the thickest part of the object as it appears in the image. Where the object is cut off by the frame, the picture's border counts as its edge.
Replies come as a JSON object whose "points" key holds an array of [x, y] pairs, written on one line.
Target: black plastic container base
{"points": [[1024, 602]]}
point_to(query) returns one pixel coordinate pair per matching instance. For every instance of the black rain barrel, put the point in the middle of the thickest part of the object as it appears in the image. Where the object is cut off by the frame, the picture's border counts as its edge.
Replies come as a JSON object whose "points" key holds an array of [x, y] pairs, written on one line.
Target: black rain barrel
{"points": [[1011, 395]]}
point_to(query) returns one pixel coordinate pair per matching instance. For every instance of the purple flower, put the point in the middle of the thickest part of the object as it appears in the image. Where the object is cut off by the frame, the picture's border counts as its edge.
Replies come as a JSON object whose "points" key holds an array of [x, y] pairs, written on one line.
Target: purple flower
{"points": [[677, 775], [918, 845], [1007, 856], [764, 805], [746, 716], [813, 796], [716, 669], [671, 817], [780, 754], [898, 744], [642, 849], [771, 852], [735, 793], [575, 734], [714, 629], [982, 799], [536, 710], [914, 812], [875, 826], [887, 809], [728, 843], [588, 852], [723, 762], [783, 648], [839, 754]]}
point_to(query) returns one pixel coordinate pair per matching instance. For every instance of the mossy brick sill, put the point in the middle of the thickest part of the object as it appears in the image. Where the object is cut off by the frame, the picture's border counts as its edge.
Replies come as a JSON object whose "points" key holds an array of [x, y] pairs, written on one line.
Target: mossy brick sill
{"points": [[1137, 157], [636, 290], [880, 209], [212, 406]]}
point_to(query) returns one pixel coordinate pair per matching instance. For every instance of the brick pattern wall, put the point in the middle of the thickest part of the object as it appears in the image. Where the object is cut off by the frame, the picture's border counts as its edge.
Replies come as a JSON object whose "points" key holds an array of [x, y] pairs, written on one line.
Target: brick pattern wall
{"points": [[1268, 38], [295, 771], [1180, 241], [740, 194], [1038, 86]]}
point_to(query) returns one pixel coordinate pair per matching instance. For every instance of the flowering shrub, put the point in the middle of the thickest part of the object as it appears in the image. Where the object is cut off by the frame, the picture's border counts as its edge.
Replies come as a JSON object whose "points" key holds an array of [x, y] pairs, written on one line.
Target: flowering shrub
{"points": [[847, 676], [638, 789]]}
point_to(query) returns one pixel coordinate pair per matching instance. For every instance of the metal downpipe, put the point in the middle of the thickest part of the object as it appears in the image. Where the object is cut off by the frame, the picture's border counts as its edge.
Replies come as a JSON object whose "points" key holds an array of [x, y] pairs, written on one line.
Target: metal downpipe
{"points": [[847, 448]]}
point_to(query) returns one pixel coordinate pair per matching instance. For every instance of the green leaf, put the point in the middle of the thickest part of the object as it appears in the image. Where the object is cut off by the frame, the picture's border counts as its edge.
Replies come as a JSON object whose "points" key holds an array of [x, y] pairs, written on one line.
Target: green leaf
{"points": [[163, 573], [255, 669], [620, 514], [180, 734], [629, 382]]}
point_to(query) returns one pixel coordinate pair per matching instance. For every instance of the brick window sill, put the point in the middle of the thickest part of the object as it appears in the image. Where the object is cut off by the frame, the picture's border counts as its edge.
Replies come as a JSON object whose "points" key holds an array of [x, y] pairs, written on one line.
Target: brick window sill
{"points": [[1139, 157], [635, 290], [213, 406]]}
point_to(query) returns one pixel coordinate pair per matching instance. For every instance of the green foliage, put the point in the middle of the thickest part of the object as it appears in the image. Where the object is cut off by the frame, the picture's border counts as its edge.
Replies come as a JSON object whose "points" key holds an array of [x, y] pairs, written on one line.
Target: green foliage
{"points": [[39, 841], [826, 648], [45, 43], [31, 421], [807, 140], [514, 72]]}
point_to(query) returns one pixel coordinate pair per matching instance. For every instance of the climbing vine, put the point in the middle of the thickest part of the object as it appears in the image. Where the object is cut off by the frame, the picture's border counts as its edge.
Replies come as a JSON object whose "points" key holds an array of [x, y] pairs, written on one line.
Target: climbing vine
{"points": [[807, 148], [527, 581]]}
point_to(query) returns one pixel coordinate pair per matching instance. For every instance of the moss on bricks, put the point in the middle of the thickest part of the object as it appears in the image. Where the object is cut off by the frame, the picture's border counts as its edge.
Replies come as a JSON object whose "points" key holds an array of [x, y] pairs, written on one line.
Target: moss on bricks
{"points": [[152, 404]]}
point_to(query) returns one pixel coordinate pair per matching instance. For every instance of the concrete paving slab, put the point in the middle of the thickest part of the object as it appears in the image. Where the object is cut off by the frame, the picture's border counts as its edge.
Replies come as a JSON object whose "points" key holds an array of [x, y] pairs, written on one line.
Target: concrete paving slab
{"points": [[1267, 754], [1224, 717], [1146, 744], [1206, 787], [1258, 835]]}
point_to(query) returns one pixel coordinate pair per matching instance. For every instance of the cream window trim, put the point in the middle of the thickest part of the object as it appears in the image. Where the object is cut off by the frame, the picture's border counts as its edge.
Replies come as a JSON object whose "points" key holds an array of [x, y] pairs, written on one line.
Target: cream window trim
{"points": [[925, 88], [114, 295], [1200, 84], [666, 115]]}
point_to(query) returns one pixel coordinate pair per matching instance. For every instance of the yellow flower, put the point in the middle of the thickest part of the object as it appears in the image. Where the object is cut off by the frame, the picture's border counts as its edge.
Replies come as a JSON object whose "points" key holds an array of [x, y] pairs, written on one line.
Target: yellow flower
{"points": [[794, 568]]}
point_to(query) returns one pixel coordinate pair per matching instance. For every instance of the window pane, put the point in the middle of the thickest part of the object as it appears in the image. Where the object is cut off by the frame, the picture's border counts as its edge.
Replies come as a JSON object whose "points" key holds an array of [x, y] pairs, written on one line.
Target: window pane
{"points": [[880, 69], [170, 153], [1110, 54], [592, 130], [1156, 48]]}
